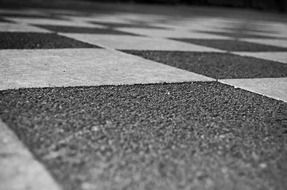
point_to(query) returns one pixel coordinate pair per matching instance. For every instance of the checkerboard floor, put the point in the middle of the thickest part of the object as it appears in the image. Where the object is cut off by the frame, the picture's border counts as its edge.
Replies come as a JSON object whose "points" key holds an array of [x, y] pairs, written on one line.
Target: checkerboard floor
{"points": [[141, 101]]}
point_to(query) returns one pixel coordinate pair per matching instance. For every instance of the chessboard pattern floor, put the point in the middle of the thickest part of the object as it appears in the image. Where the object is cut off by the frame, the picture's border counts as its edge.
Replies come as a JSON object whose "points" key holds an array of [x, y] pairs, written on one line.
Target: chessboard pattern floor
{"points": [[141, 101]]}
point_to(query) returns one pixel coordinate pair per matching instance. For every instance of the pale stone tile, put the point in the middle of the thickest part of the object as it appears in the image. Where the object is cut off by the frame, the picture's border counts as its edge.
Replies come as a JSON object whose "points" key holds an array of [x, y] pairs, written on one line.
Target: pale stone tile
{"points": [[43, 21], [144, 17], [88, 19], [275, 88], [19, 169], [273, 56], [171, 33], [100, 18], [209, 24], [83, 67], [12, 27], [138, 43]]}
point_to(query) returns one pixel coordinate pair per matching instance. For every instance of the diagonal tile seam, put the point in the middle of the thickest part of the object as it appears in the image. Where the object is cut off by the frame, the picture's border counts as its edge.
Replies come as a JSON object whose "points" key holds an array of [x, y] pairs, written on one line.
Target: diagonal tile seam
{"points": [[239, 83], [19, 169]]}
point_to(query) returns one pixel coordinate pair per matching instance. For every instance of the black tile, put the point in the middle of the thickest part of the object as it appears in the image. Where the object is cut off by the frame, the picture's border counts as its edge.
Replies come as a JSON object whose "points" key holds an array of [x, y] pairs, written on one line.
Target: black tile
{"points": [[231, 45], [22, 40], [126, 25], [88, 30], [238, 34], [23, 15], [153, 136], [217, 65], [4, 20], [247, 30]]}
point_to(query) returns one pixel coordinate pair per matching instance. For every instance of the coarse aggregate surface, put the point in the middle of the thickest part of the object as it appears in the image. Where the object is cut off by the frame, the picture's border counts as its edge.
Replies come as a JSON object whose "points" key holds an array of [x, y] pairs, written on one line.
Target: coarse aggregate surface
{"points": [[87, 30], [203, 135], [238, 34], [21, 40], [232, 45], [217, 65], [126, 25], [3, 20]]}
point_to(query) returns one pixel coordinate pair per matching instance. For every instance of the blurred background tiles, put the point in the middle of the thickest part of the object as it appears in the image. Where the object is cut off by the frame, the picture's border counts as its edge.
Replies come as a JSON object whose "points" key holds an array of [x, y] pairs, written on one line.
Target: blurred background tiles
{"points": [[136, 42]]}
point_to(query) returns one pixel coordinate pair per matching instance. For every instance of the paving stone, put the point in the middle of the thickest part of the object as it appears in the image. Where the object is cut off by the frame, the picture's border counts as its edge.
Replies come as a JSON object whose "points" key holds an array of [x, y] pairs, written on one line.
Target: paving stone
{"points": [[232, 45], [137, 43], [83, 67], [33, 40], [203, 135], [217, 65], [272, 87]]}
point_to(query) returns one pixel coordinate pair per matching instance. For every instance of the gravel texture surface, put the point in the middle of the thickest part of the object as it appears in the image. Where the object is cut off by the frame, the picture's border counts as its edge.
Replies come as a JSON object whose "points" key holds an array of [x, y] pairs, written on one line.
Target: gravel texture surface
{"points": [[203, 135], [231, 45], [217, 65], [87, 30], [21, 40]]}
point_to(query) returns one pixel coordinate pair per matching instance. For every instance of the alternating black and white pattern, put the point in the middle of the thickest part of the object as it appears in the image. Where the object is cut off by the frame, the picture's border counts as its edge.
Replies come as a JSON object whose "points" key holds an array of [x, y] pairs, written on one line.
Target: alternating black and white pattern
{"points": [[133, 101]]}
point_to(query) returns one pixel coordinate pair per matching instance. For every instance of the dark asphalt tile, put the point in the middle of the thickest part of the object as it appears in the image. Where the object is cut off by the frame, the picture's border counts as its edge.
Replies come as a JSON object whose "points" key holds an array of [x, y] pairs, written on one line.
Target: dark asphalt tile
{"points": [[216, 65], [231, 45], [22, 15], [88, 30], [239, 34], [246, 30], [126, 25], [4, 20], [202, 135], [22, 40]]}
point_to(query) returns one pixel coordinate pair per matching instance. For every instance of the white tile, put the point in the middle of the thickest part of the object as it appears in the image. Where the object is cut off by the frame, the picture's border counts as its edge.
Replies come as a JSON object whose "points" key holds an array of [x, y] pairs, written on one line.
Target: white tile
{"points": [[275, 88], [83, 67], [11, 27], [273, 56], [88, 19], [208, 24], [99, 18], [44, 21], [138, 43], [171, 33], [150, 18]]}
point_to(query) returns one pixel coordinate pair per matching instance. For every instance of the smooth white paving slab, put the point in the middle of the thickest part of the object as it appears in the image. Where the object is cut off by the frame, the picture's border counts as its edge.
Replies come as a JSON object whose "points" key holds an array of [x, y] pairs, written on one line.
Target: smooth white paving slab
{"points": [[275, 88], [89, 19], [138, 43], [98, 18], [83, 67], [19, 170], [43, 21], [12, 27], [273, 56]]}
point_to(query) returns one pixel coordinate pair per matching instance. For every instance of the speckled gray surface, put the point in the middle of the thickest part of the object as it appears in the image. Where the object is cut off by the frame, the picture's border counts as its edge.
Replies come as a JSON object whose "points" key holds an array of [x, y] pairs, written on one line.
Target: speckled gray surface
{"points": [[238, 34], [217, 65], [87, 30], [33, 40], [232, 45], [202, 135]]}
